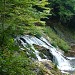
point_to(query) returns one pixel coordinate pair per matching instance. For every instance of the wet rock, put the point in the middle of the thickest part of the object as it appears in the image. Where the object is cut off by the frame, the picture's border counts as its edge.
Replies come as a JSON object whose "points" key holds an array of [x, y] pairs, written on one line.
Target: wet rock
{"points": [[44, 53], [47, 68], [71, 53]]}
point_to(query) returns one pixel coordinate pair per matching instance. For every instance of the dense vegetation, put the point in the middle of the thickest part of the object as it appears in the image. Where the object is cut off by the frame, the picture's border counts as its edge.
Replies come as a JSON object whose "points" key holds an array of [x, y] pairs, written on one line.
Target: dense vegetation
{"points": [[18, 17], [62, 10], [14, 15]]}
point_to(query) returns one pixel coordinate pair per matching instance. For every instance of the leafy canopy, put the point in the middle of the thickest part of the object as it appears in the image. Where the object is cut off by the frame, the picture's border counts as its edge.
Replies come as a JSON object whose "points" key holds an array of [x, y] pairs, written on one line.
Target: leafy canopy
{"points": [[63, 9]]}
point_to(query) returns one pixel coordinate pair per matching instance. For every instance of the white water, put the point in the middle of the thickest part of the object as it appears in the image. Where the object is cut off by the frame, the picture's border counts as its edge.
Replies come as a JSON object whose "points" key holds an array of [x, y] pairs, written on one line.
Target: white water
{"points": [[36, 53], [59, 59]]}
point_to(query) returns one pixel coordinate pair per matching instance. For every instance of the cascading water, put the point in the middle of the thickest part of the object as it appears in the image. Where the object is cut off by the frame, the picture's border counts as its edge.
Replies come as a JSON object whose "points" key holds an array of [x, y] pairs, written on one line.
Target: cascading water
{"points": [[62, 62]]}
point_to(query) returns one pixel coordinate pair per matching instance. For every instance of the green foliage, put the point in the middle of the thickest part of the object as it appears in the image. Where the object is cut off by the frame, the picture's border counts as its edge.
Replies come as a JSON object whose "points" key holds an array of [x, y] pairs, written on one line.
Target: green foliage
{"points": [[63, 9], [15, 63], [16, 14], [33, 30], [55, 40], [19, 17]]}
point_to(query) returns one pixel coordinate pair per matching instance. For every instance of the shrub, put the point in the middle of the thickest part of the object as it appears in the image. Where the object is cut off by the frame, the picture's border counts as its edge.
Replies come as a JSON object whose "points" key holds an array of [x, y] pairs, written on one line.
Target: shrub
{"points": [[15, 63]]}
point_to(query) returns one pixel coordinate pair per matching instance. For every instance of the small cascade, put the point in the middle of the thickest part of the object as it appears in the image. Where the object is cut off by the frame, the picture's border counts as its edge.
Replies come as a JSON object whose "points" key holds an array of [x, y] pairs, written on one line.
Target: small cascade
{"points": [[58, 58], [62, 62], [36, 53]]}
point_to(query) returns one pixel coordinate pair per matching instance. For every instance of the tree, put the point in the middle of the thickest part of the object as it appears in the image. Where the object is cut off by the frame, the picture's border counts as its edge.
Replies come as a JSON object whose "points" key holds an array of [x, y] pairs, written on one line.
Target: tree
{"points": [[16, 14], [63, 10]]}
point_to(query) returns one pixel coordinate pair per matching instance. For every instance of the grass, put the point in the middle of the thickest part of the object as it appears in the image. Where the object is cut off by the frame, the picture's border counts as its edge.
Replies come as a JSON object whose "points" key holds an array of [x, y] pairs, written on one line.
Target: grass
{"points": [[56, 40], [68, 33]]}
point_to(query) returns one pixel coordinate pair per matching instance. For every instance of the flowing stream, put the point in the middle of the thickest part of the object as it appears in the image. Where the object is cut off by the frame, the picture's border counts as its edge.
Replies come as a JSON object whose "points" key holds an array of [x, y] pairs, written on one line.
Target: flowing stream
{"points": [[63, 63]]}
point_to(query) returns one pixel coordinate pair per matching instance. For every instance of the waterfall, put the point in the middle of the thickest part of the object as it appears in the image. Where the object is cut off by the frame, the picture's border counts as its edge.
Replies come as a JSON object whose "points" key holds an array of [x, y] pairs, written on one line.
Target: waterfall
{"points": [[62, 62]]}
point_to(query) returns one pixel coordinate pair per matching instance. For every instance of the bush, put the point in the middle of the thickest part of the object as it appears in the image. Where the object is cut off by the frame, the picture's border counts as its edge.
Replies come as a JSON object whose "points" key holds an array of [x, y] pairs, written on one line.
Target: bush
{"points": [[15, 63]]}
